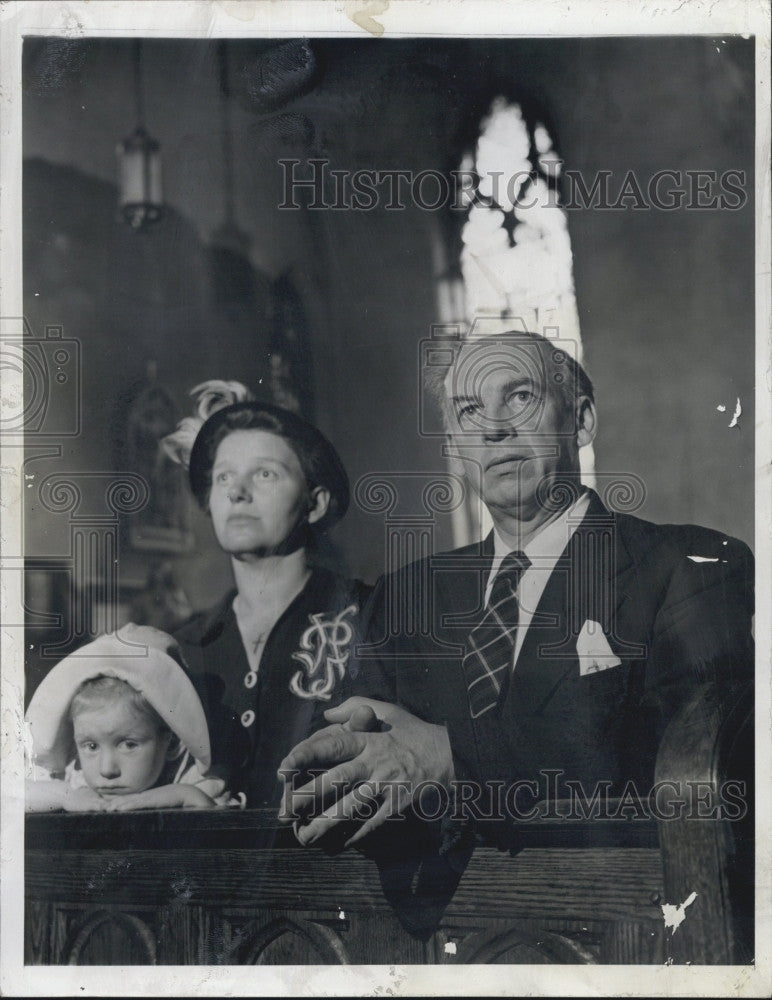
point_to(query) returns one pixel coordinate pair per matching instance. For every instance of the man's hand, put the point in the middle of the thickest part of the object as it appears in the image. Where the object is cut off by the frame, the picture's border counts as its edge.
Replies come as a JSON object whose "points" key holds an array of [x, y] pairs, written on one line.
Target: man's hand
{"points": [[392, 762]]}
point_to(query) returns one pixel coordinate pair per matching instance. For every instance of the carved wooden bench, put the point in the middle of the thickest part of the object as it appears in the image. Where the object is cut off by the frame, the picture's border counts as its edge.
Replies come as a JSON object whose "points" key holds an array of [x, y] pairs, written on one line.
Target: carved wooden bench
{"points": [[211, 888]]}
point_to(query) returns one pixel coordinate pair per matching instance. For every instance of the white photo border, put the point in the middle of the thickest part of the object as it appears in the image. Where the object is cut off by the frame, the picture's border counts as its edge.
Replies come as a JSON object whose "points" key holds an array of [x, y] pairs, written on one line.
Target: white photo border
{"points": [[400, 18]]}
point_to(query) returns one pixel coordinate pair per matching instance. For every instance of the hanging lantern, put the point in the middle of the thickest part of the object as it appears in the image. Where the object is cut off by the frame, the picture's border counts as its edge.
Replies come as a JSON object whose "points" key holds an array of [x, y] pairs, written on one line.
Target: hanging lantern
{"points": [[139, 165], [140, 179]]}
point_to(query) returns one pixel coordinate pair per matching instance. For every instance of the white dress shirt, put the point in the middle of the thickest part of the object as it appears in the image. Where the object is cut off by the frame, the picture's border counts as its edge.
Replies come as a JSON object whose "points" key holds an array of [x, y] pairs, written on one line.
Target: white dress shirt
{"points": [[544, 550]]}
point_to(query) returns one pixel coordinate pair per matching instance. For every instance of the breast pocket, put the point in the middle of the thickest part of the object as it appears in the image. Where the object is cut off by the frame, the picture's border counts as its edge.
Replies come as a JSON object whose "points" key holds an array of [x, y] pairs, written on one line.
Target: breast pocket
{"points": [[599, 682], [598, 699]]}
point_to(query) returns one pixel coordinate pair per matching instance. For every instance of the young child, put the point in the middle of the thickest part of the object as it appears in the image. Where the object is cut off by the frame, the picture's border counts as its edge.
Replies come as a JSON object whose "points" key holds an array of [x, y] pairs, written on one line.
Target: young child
{"points": [[118, 725]]}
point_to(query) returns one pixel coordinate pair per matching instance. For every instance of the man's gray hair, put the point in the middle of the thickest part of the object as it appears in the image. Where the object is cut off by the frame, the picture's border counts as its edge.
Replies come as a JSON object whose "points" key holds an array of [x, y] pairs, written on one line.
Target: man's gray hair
{"points": [[567, 376]]}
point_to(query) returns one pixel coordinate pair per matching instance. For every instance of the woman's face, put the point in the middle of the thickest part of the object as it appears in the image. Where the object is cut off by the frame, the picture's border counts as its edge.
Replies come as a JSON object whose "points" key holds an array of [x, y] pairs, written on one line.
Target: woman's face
{"points": [[259, 492]]}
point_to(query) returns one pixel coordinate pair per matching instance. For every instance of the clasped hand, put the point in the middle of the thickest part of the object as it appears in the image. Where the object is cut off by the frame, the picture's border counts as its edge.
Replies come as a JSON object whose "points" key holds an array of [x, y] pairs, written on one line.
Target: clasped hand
{"points": [[373, 757]]}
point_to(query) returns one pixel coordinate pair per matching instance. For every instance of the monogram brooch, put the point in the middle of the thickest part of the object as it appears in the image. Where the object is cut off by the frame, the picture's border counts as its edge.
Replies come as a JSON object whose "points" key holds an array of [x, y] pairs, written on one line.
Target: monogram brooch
{"points": [[324, 652]]}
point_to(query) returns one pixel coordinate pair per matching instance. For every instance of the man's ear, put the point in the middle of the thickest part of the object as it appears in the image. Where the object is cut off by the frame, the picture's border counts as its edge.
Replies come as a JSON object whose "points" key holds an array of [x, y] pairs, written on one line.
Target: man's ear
{"points": [[586, 421], [318, 503]]}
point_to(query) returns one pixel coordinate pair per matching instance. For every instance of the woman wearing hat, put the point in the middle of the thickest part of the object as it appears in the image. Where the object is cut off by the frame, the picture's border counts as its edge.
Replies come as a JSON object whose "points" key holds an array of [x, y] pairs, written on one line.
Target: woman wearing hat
{"points": [[271, 656]]}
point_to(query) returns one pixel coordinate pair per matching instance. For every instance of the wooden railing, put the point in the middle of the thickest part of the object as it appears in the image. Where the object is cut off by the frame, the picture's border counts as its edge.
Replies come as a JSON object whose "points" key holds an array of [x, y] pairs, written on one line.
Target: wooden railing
{"points": [[235, 888]]}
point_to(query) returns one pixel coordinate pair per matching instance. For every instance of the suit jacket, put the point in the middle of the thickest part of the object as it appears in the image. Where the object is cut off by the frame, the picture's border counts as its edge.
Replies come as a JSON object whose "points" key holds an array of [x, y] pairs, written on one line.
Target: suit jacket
{"points": [[675, 603]]}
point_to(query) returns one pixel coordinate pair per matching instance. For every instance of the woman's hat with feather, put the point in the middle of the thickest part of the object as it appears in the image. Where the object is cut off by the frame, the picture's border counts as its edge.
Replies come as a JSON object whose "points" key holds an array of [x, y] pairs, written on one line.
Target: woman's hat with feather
{"points": [[218, 402]]}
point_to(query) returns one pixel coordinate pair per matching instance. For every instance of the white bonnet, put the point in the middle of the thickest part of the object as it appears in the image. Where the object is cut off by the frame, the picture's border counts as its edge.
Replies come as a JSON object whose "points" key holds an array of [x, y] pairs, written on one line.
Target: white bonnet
{"points": [[147, 659]]}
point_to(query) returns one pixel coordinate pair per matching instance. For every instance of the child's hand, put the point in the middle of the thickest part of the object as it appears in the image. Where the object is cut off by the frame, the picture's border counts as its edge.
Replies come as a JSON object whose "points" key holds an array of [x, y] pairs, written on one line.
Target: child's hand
{"points": [[83, 800], [126, 803], [163, 797], [196, 799]]}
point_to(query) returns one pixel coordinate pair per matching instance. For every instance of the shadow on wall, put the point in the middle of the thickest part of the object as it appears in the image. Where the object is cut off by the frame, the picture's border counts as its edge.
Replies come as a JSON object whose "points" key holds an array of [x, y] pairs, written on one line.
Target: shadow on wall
{"points": [[142, 310]]}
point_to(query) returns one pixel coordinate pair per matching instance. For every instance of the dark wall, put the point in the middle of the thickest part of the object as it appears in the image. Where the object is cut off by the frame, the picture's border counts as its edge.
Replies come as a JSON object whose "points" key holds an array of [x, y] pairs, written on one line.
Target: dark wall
{"points": [[665, 297], [142, 312]]}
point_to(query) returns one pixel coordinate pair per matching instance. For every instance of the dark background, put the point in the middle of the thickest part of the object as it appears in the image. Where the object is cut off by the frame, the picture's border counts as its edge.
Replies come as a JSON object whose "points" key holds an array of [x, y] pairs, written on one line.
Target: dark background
{"points": [[665, 298]]}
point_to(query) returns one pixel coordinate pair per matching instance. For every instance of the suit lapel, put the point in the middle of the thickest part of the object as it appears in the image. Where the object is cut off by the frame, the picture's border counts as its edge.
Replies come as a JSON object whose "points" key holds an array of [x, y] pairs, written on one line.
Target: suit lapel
{"points": [[461, 578], [589, 583]]}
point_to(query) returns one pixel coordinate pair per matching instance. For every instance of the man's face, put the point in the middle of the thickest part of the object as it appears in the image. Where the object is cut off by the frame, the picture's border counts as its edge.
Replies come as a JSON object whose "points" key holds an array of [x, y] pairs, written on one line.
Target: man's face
{"points": [[120, 750], [509, 423], [258, 493]]}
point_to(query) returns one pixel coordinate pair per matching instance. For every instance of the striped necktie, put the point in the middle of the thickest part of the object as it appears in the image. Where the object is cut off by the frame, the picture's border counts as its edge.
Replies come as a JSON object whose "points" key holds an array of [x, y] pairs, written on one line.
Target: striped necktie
{"points": [[492, 642]]}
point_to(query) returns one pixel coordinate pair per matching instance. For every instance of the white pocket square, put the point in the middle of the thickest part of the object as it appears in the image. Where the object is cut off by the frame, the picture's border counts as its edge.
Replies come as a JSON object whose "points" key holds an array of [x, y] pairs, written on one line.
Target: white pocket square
{"points": [[593, 650]]}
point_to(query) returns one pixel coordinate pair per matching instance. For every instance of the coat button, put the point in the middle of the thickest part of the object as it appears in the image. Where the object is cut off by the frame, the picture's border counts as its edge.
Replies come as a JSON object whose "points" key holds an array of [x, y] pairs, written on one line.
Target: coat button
{"points": [[247, 718]]}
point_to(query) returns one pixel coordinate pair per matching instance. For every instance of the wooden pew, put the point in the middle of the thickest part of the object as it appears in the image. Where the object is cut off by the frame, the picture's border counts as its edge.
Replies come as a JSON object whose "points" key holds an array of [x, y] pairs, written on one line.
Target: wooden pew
{"points": [[208, 888]]}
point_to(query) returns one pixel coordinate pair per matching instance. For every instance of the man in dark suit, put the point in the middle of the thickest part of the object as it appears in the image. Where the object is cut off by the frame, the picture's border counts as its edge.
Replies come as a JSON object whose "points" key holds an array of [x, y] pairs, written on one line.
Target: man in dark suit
{"points": [[562, 644]]}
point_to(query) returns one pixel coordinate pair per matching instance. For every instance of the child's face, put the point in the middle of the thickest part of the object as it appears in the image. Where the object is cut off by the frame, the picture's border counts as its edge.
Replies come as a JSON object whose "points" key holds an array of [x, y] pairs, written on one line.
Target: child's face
{"points": [[119, 749]]}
